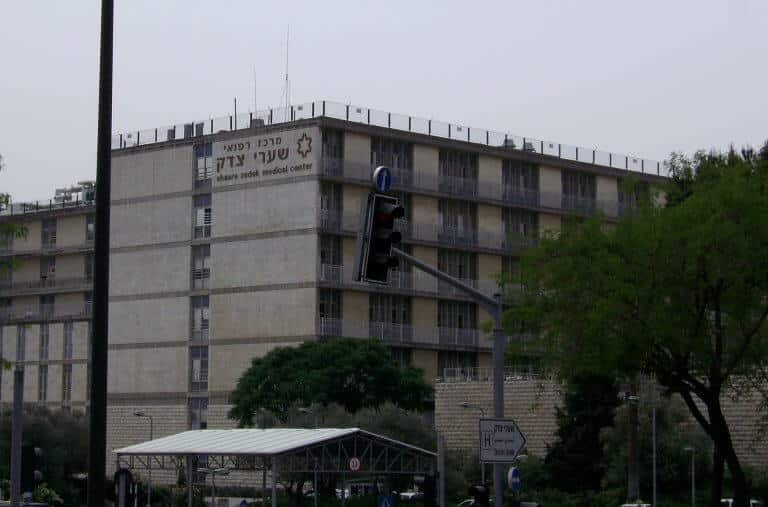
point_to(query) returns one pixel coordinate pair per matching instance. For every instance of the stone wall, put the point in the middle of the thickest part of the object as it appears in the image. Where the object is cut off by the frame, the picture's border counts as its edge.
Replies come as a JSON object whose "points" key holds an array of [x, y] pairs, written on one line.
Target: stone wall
{"points": [[532, 405]]}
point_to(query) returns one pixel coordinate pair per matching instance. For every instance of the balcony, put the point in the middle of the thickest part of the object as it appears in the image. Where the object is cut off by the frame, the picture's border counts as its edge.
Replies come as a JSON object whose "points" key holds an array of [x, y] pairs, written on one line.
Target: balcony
{"points": [[415, 283], [337, 222], [485, 374], [45, 312], [405, 334], [49, 248], [504, 195], [49, 284]]}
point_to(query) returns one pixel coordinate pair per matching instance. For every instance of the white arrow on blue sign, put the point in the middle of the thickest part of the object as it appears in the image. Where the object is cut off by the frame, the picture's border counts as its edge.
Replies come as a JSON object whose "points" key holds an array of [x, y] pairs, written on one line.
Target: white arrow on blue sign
{"points": [[382, 178], [513, 479]]}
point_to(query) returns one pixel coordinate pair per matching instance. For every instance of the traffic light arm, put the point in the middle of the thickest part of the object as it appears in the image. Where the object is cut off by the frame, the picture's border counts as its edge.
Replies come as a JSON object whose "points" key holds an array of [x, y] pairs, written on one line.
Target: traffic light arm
{"points": [[489, 303]]}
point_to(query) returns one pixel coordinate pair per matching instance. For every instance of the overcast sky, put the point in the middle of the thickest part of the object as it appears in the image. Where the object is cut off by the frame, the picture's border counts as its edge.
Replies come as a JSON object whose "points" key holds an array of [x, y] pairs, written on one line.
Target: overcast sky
{"points": [[643, 78]]}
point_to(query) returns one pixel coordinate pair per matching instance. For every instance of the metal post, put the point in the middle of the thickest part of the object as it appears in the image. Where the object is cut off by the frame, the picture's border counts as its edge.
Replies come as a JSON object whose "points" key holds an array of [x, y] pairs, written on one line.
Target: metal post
{"points": [[16, 434], [653, 418], [213, 489], [441, 469], [264, 477], [343, 489], [121, 490], [495, 307], [499, 342], [97, 448], [149, 471], [189, 481], [274, 482], [693, 478], [314, 486]]}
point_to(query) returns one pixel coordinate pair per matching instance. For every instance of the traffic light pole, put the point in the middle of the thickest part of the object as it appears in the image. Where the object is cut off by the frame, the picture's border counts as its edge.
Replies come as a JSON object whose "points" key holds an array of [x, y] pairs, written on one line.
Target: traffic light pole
{"points": [[495, 307]]}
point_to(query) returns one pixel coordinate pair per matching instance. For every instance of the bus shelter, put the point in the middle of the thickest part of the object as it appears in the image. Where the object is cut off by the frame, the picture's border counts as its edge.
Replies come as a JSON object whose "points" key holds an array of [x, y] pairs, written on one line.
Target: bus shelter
{"points": [[340, 451]]}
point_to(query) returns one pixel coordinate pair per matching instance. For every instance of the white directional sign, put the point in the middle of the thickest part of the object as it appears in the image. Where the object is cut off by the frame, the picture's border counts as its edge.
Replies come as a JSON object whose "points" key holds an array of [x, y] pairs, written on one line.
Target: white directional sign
{"points": [[500, 440]]}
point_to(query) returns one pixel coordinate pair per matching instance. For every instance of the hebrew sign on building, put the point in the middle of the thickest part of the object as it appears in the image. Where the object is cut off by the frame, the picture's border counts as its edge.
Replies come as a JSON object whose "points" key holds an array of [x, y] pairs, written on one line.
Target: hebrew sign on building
{"points": [[276, 155]]}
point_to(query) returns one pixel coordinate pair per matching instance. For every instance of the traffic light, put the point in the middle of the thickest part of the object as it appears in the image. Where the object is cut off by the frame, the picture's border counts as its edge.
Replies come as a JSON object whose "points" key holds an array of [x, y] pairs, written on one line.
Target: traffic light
{"points": [[32, 465], [479, 494], [378, 237]]}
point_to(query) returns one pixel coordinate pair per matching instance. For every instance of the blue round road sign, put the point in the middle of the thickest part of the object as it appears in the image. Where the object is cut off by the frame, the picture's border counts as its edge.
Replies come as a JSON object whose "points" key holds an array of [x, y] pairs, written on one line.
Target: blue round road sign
{"points": [[514, 480], [382, 178]]}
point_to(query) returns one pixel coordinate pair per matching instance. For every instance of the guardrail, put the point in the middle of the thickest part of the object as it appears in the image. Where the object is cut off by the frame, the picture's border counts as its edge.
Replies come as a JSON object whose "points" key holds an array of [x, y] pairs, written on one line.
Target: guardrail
{"points": [[407, 123], [22, 208], [45, 312], [415, 180]]}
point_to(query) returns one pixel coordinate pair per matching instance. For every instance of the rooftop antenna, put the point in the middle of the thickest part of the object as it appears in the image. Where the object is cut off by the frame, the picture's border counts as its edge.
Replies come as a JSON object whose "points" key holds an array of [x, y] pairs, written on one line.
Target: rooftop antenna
{"points": [[287, 86], [255, 104]]}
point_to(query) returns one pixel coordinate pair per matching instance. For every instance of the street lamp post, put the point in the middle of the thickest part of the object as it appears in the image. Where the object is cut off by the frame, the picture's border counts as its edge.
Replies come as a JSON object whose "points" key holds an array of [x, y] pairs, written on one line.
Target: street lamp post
{"points": [[467, 405], [140, 413], [692, 450]]}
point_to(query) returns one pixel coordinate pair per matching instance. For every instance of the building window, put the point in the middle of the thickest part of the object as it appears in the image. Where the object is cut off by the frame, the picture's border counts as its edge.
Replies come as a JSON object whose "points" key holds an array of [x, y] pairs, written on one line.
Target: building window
{"points": [[579, 190], [520, 223], [402, 356], [389, 309], [47, 303], [88, 267], [392, 153], [458, 219], [45, 333], [21, 342], [511, 269], [458, 172], [456, 315], [201, 266], [87, 302], [48, 233], [42, 382], [333, 144], [630, 194], [457, 263], [457, 361], [68, 328], [198, 366], [200, 317], [90, 227], [331, 197], [330, 304], [66, 383], [518, 175], [330, 250], [47, 268], [203, 163], [198, 413], [203, 218]]}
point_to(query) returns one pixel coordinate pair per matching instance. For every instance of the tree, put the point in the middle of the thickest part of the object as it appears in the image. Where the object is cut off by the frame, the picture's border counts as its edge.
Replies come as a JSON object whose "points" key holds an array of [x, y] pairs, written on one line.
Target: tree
{"points": [[354, 374], [576, 458], [679, 292], [63, 437]]}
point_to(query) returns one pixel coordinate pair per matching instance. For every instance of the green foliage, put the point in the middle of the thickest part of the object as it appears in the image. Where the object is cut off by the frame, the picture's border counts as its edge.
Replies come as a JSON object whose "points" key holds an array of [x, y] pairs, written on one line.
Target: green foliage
{"points": [[674, 432], [44, 494], [63, 437], [354, 374], [576, 458], [678, 292]]}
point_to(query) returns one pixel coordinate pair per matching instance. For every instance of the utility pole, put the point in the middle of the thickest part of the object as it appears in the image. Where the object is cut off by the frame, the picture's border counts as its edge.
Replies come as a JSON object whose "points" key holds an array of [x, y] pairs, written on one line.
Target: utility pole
{"points": [[633, 479], [495, 307], [97, 448], [16, 434]]}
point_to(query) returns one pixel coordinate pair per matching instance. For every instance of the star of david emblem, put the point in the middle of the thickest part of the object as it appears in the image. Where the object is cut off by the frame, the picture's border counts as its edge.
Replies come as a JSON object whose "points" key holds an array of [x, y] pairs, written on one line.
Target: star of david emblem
{"points": [[304, 145]]}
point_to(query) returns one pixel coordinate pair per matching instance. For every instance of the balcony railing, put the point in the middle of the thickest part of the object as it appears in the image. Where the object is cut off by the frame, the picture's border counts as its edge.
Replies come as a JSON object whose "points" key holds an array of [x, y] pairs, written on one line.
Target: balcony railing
{"points": [[59, 311], [406, 334], [22, 208], [45, 283], [347, 223], [420, 181], [415, 282], [485, 374], [48, 248], [406, 123]]}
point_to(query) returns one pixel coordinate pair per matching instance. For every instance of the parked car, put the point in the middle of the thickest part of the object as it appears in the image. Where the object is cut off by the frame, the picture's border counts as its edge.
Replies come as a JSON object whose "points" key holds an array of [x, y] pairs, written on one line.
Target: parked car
{"points": [[728, 502]]}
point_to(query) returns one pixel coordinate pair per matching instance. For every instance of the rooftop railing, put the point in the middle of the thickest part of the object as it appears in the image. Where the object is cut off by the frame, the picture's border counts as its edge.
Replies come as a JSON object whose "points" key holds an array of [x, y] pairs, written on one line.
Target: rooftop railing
{"points": [[368, 116], [22, 208]]}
